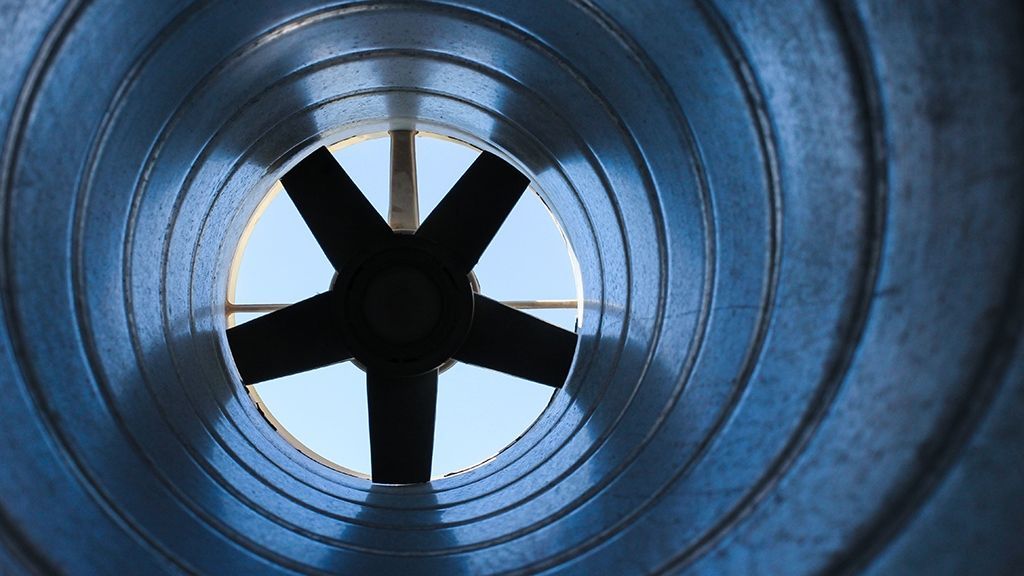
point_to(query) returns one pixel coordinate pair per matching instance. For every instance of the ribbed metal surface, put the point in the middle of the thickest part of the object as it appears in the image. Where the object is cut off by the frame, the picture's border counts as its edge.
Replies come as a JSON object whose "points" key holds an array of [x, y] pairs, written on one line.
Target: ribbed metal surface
{"points": [[799, 227]]}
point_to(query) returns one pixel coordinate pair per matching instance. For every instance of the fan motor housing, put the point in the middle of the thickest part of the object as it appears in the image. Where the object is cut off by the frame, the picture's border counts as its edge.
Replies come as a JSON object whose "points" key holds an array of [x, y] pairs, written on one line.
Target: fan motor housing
{"points": [[408, 306]]}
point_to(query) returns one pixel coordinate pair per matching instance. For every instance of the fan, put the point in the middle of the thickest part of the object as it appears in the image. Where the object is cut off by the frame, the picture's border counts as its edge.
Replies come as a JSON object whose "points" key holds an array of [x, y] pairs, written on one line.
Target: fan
{"points": [[402, 304]]}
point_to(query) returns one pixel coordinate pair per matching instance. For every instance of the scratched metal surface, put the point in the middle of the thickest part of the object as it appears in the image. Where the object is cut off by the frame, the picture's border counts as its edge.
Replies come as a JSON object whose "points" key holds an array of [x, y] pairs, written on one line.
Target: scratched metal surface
{"points": [[799, 228]]}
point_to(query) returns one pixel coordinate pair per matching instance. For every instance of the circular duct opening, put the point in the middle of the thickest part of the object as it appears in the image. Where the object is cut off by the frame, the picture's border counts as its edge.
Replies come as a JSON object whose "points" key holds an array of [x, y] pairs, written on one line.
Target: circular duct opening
{"points": [[800, 350], [323, 412]]}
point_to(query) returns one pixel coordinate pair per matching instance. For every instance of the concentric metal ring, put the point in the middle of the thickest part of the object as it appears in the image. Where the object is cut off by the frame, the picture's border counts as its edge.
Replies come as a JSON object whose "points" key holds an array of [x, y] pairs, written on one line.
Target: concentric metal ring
{"points": [[800, 329]]}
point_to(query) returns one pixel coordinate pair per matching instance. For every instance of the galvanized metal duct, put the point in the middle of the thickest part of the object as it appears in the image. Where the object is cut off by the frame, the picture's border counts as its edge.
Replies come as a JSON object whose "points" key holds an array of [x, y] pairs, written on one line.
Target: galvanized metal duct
{"points": [[799, 228]]}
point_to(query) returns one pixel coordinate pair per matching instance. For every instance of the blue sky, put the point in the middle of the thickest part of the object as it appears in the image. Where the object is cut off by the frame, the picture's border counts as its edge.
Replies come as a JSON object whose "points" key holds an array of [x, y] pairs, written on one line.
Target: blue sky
{"points": [[479, 411]]}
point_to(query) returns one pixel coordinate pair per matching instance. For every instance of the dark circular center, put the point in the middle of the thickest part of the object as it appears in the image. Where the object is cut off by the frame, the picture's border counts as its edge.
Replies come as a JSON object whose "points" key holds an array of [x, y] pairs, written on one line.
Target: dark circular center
{"points": [[402, 305], [404, 308]]}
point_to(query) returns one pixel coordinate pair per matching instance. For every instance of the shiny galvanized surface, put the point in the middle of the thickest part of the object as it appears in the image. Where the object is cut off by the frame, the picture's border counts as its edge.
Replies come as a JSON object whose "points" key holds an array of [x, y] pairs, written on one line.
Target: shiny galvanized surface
{"points": [[799, 227]]}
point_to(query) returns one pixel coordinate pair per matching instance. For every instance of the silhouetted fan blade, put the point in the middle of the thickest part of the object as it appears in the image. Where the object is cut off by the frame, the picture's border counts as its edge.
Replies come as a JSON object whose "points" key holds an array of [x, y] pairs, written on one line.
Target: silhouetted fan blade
{"points": [[518, 344], [342, 220], [401, 427], [470, 214], [295, 339]]}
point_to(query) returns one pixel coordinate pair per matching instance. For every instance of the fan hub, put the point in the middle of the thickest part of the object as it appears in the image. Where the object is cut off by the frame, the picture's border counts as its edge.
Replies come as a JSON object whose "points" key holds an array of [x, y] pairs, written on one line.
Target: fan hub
{"points": [[406, 308], [402, 305]]}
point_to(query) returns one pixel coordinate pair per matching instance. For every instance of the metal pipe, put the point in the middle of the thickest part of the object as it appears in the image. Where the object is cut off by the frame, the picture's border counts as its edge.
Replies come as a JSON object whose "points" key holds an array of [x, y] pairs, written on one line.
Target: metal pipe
{"points": [[798, 227]]}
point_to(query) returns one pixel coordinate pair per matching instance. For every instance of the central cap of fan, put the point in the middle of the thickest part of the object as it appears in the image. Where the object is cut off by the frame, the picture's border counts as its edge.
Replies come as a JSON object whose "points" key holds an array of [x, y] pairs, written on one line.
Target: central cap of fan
{"points": [[406, 307], [403, 304]]}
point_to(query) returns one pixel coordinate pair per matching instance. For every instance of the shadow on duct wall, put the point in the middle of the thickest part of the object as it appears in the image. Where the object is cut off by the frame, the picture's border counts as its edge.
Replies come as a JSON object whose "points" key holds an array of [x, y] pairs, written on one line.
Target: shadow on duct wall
{"points": [[800, 229]]}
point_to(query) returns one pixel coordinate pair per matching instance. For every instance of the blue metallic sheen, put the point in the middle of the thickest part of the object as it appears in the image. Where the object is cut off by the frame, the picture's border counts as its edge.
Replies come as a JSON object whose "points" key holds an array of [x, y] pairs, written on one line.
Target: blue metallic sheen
{"points": [[800, 229]]}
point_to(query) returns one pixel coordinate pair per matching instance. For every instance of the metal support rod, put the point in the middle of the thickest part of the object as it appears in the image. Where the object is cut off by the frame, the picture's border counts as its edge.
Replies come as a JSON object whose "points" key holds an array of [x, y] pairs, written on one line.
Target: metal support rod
{"points": [[540, 304], [404, 206]]}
